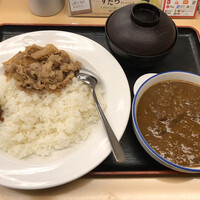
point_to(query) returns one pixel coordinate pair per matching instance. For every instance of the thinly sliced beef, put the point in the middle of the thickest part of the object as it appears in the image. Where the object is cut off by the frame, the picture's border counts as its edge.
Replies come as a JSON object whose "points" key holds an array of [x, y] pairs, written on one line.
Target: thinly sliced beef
{"points": [[1, 113], [41, 68]]}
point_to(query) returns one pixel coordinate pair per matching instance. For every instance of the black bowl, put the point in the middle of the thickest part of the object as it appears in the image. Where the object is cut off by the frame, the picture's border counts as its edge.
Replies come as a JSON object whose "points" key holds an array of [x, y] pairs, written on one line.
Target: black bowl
{"points": [[140, 34]]}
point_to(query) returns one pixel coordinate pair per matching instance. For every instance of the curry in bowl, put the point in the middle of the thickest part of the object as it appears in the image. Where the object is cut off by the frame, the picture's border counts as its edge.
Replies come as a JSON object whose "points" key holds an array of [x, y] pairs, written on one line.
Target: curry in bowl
{"points": [[166, 117]]}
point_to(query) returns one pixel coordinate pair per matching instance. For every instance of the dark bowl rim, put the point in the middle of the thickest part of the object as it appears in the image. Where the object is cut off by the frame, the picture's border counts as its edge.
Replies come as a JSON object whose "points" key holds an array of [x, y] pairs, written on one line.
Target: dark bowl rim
{"points": [[136, 55]]}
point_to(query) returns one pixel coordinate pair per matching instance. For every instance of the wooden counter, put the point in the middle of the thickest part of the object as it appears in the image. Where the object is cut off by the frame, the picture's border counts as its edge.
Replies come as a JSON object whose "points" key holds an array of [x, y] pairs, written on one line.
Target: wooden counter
{"points": [[13, 12]]}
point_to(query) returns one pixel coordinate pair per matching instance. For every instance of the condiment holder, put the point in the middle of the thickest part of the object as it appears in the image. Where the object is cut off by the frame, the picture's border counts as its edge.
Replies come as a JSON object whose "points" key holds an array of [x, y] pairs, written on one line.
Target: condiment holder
{"points": [[45, 8]]}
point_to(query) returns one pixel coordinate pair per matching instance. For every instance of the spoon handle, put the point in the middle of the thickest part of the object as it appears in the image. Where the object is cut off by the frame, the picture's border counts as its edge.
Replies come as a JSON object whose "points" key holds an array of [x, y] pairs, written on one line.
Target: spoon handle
{"points": [[117, 150]]}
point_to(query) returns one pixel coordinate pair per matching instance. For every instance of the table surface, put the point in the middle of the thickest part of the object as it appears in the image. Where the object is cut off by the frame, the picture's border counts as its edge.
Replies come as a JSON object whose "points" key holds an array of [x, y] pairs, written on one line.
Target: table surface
{"points": [[129, 187]]}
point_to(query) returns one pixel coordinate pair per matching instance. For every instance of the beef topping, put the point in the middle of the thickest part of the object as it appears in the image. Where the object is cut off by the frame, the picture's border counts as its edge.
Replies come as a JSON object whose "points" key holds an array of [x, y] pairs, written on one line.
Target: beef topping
{"points": [[41, 68], [1, 113]]}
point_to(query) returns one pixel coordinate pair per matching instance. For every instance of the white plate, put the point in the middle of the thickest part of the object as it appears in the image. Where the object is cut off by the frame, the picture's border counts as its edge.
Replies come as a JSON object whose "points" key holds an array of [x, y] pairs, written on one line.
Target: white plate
{"points": [[69, 164]]}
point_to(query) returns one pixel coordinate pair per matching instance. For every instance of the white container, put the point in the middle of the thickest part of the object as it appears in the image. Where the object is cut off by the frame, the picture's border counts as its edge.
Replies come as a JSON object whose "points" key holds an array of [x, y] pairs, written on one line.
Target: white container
{"points": [[45, 8], [176, 75]]}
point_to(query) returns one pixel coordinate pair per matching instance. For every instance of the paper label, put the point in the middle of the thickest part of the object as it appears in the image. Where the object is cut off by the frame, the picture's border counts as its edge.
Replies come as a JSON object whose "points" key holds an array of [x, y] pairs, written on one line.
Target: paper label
{"points": [[80, 6], [103, 7], [180, 8], [109, 6]]}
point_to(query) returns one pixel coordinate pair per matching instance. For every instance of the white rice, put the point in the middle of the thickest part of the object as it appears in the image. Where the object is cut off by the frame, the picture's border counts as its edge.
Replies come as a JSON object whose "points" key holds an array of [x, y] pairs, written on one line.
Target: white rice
{"points": [[40, 124]]}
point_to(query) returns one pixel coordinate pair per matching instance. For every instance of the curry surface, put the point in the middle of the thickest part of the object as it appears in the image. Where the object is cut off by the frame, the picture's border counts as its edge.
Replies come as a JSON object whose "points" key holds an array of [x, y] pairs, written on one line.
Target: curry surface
{"points": [[168, 115]]}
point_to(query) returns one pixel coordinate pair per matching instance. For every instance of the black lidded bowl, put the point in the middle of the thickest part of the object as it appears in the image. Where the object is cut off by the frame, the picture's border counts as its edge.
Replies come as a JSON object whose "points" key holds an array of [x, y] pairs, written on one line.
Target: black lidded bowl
{"points": [[140, 34]]}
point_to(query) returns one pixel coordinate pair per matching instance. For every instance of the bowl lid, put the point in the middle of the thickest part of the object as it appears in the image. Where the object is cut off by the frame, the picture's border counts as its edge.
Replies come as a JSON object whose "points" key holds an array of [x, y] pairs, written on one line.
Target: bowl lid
{"points": [[141, 29]]}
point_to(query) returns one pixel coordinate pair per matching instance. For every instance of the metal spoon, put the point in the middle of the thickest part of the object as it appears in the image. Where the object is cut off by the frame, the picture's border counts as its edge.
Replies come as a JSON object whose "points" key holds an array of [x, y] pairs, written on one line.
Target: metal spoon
{"points": [[116, 148]]}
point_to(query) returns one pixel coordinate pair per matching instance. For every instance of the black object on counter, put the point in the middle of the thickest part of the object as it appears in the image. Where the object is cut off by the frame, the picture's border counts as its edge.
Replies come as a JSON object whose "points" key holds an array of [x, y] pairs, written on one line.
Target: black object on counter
{"points": [[185, 56], [141, 34]]}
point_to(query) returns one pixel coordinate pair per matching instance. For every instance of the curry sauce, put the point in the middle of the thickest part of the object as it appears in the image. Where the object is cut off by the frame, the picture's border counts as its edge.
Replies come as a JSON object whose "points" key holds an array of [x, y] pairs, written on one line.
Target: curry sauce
{"points": [[168, 115]]}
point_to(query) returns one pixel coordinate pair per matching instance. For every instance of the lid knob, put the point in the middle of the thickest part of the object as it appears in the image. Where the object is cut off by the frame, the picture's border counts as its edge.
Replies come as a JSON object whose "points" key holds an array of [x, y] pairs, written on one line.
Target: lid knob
{"points": [[146, 15]]}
